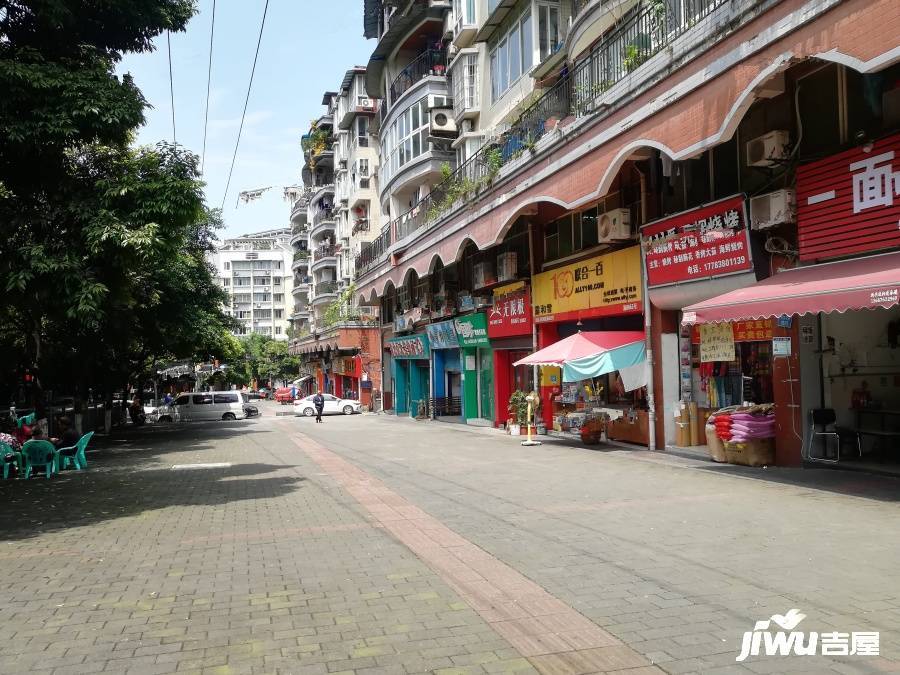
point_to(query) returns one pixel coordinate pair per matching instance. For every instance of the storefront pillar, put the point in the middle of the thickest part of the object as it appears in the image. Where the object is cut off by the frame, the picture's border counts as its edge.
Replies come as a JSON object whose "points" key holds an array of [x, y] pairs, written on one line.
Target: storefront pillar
{"points": [[661, 322], [787, 397], [438, 361], [469, 357]]}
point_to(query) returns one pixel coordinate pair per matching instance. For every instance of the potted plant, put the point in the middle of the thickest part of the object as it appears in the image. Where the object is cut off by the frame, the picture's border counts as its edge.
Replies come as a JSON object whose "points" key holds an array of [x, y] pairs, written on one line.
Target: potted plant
{"points": [[518, 410]]}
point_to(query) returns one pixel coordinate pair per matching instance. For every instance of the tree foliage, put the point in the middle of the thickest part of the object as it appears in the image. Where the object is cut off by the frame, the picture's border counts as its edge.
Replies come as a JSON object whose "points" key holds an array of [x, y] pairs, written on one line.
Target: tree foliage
{"points": [[262, 359], [102, 244]]}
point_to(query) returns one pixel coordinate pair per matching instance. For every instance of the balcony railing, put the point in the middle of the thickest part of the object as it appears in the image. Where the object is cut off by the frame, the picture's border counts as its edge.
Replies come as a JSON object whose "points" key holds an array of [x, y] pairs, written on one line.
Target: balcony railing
{"points": [[325, 252], [360, 226], [643, 32], [324, 287], [430, 62], [322, 215], [301, 255]]}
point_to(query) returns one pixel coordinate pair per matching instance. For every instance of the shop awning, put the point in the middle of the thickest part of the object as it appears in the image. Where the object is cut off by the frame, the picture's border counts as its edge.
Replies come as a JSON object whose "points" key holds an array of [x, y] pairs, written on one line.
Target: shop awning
{"points": [[590, 354], [862, 283]]}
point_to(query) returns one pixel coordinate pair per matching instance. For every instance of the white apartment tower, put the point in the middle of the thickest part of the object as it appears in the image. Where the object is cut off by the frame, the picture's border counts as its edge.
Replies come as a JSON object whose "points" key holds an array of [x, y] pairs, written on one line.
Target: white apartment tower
{"points": [[255, 270]]}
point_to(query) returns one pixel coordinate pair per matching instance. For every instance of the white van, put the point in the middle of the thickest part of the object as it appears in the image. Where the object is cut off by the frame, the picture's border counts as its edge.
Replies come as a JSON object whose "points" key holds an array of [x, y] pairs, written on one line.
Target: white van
{"points": [[206, 405]]}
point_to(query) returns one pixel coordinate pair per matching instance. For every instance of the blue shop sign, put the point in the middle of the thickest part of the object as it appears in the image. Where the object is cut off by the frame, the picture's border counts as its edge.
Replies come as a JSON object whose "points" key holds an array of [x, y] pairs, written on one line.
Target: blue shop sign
{"points": [[442, 335]]}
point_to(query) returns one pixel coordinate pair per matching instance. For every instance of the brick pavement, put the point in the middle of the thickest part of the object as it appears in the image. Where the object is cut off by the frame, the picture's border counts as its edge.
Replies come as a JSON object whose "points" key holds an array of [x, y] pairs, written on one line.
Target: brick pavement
{"points": [[675, 558], [287, 561]]}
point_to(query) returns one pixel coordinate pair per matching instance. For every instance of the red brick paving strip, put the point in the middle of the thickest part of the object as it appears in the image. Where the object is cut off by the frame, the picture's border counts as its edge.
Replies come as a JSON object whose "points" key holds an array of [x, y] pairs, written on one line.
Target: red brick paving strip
{"points": [[553, 636]]}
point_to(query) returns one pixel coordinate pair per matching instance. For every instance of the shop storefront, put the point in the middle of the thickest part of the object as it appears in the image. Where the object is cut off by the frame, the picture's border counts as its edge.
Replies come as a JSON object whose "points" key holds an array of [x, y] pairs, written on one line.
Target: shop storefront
{"points": [[690, 257], [836, 337], [510, 329], [447, 369], [410, 364], [600, 295], [478, 367], [347, 373]]}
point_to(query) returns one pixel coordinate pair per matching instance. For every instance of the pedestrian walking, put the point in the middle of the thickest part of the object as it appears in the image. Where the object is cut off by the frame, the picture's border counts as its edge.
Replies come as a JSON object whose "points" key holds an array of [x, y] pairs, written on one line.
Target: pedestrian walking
{"points": [[319, 403]]}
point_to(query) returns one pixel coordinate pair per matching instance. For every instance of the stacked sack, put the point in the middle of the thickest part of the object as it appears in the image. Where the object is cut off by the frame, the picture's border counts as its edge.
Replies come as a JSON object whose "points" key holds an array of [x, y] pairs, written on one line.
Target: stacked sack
{"points": [[723, 424], [747, 426]]}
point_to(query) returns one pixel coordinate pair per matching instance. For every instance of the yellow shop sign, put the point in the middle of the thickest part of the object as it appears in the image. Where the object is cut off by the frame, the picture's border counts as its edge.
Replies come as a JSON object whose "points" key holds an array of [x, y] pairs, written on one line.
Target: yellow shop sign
{"points": [[606, 285]]}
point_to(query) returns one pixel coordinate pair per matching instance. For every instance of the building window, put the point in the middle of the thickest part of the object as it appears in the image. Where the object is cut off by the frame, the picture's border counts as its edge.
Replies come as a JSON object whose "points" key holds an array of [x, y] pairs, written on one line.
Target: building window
{"points": [[277, 281], [362, 131], [408, 136], [512, 56], [278, 297], [226, 282], [277, 265], [464, 11], [465, 84], [549, 37], [277, 330], [227, 265], [278, 313]]}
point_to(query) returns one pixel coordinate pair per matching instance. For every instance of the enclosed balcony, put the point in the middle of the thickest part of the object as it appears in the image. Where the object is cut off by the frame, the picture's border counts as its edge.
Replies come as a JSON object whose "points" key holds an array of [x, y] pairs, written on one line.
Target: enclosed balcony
{"points": [[299, 233], [323, 223], [325, 256], [324, 292]]}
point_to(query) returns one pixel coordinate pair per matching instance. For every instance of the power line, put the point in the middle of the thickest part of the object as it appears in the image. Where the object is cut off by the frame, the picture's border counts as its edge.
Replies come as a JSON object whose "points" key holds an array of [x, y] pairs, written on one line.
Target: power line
{"points": [[171, 85], [212, 31], [246, 101]]}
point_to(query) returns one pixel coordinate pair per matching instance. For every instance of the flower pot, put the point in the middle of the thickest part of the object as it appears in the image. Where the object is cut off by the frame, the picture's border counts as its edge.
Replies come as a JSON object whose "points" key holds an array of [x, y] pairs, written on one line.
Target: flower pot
{"points": [[523, 430]]}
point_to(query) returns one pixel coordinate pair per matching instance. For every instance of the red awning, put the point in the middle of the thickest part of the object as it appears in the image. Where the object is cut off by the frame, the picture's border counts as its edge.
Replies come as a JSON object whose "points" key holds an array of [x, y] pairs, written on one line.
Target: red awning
{"points": [[580, 345], [862, 283]]}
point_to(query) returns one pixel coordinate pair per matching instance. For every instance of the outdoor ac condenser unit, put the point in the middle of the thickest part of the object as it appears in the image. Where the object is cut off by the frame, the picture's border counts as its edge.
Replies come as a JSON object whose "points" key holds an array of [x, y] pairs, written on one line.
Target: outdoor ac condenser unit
{"points": [[768, 149], [614, 225], [507, 264], [442, 124], [773, 208]]}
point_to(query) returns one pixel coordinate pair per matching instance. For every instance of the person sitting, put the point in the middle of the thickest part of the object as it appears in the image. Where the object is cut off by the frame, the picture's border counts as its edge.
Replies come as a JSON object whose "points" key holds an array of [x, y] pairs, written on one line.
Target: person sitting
{"points": [[68, 437], [7, 435]]}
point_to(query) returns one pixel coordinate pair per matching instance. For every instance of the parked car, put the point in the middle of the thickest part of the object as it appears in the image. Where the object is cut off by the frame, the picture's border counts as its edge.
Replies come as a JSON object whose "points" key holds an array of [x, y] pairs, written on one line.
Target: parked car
{"points": [[284, 395], [333, 406], [207, 405], [255, 395]]}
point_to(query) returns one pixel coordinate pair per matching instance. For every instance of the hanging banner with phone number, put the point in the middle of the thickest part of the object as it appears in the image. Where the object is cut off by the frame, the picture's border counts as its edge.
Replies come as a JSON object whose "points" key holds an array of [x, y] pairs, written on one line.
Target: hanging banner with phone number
{"points": [[703, 243]]}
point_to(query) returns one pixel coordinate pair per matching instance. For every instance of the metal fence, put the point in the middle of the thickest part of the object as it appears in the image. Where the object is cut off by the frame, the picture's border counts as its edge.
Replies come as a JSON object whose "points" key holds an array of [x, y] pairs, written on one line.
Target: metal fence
{"points": [[429, 62]]}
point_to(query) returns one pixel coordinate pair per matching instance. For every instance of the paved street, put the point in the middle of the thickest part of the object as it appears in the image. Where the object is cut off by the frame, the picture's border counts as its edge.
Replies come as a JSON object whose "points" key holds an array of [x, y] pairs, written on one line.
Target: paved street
{"points": [[379, 545]]}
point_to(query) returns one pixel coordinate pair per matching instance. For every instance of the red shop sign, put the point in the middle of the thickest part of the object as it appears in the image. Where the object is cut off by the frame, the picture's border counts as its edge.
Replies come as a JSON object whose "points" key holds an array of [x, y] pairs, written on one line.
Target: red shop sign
{"points": [[703, 243], [849, 203], [510, 314]]}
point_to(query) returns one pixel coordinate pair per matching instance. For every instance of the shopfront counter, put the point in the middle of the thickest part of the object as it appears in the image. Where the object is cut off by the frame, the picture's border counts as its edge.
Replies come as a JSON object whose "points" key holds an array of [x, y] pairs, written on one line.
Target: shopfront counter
{"points": [[632, 427]]}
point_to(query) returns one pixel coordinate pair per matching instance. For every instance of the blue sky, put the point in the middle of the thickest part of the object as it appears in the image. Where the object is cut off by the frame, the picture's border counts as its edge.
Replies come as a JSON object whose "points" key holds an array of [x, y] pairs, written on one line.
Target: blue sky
{"points": [[307, 47]]}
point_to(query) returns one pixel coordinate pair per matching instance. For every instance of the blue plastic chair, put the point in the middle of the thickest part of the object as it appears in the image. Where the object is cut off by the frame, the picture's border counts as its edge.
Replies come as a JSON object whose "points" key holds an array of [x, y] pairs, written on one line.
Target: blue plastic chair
{"points": [[74, 453], [38, 452], [4, 451]]}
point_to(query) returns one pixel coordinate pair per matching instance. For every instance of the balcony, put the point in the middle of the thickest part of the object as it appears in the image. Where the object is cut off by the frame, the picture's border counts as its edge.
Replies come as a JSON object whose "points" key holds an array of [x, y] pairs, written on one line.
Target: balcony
{"points": [[595, 87], [299, 233], [430, 62], [298, 211], [363, 106], [466, 25], [301, 259], [326, 256], [320, 191], [323, 222], [325, 292], [361, 225]]}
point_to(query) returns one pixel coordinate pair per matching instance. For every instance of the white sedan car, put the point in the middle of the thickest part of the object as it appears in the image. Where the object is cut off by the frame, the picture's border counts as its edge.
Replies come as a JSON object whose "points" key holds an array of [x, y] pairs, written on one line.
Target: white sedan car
{"points": [[333, 406]]}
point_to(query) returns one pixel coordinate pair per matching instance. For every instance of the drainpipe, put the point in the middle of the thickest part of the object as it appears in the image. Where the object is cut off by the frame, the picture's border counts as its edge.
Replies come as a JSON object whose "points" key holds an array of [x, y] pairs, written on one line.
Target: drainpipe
{"points": [[651, 402]]}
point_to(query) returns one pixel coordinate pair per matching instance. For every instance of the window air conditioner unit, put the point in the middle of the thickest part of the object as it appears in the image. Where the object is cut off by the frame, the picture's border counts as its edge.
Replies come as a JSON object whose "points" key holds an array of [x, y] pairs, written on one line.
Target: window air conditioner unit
{"points": [[484, 274], [435, 101], [614, 225], [768, 149], [773, 208], [366, 103], [507, 266], [442, 124]]}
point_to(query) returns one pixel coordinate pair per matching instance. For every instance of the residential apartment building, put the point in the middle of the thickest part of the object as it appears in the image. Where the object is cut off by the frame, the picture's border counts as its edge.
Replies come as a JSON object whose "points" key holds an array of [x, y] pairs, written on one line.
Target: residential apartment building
{"points": [[255, 271], [607, 168], [338, 212]]}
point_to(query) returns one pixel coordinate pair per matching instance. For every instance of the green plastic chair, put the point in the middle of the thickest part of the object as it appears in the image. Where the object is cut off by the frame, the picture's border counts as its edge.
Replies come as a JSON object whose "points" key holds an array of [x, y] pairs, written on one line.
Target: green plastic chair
{"points": [[27, 419], [37, 452], [74, 453], [4, 451]]}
